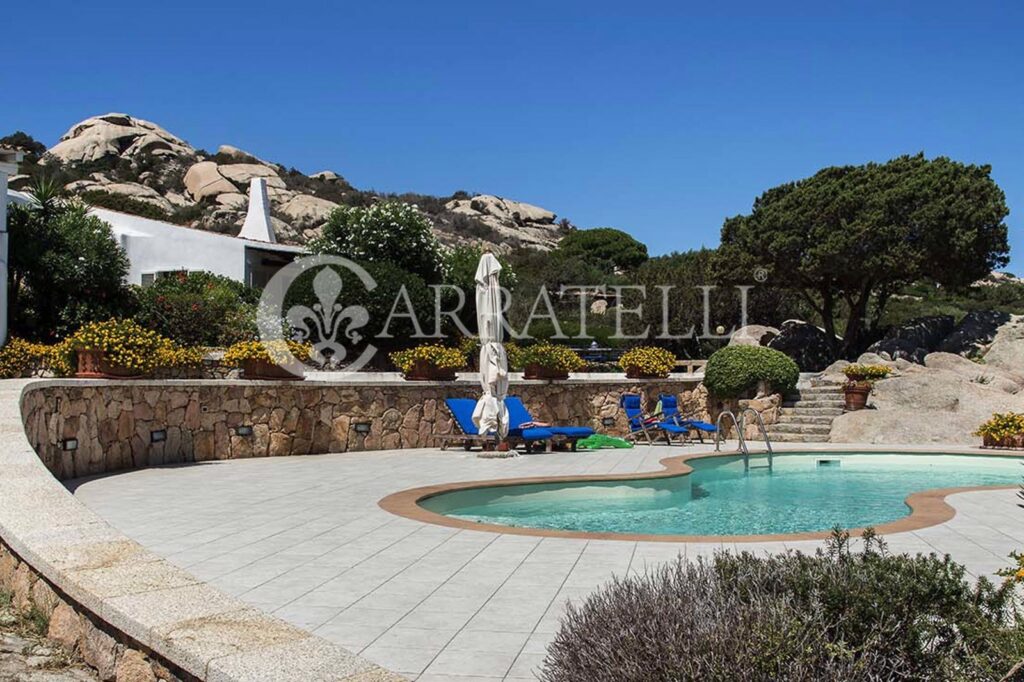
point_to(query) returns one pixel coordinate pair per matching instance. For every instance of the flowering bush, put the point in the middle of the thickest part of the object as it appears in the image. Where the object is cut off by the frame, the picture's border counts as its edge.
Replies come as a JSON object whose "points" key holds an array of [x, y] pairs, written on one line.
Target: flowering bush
{"points": [[1006, 429], [547, 356], [648, 360], [275, 352], [389, 231], [199, 309], [433, 355], [125, 344], [21, 358], [869, 373]]}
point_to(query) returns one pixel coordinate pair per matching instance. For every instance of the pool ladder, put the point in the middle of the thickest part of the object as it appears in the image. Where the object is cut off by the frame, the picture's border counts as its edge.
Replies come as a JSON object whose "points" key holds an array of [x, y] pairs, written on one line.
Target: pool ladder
{"points": [[740, 425]]}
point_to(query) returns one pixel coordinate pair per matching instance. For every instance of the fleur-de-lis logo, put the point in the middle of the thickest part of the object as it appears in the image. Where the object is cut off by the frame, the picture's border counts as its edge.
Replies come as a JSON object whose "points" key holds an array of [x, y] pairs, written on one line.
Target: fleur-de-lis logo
{"points": [[321, 324], [327, 325]]}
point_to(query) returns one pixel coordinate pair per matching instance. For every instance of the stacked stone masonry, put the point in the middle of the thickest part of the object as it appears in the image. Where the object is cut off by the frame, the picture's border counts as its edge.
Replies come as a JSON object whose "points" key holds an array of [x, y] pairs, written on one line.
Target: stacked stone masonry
{"points": [[114, 657], [83, 428]]}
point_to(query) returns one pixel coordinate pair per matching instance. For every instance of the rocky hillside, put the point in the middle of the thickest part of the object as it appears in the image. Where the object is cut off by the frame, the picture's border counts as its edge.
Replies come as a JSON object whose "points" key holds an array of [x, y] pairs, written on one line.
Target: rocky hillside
{"points": [[128, 164]]}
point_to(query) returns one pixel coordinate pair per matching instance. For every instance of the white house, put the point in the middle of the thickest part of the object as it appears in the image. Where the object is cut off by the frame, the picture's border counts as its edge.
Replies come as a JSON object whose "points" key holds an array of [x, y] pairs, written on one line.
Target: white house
{"points": [[156, 248]]}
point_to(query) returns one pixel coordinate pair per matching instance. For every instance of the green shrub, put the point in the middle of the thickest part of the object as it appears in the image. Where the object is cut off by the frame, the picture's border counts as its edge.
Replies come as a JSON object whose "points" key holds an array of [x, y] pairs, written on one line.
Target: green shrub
{"points": [[734, 371], [124, 204], [198, 309], [834, 615]]}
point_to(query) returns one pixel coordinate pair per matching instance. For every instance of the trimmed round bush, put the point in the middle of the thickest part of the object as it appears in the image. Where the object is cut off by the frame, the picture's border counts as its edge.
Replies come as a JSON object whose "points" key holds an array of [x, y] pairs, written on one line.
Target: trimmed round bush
{"points": [[735, 371], [833, 615]]}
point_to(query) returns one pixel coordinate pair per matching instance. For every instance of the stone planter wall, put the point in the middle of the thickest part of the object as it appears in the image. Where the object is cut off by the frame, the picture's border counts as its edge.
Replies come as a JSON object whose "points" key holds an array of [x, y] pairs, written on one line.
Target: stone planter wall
{"points": [[769, 407], [82, 428], [113, 655]]}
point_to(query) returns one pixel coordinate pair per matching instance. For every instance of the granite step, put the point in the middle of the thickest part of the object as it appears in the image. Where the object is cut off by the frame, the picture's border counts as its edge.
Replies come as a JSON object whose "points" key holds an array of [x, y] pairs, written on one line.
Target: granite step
{"points": [[823, 429], [799, 438], [796, 418], [812, 411]]}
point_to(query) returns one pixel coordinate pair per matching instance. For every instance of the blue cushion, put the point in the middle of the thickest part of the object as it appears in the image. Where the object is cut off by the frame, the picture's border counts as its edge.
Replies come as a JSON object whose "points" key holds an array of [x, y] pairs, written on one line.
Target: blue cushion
{"points": [[672, 427], [462, 410], [572, 431], [531, 434], [699, 425], [517, 412]]}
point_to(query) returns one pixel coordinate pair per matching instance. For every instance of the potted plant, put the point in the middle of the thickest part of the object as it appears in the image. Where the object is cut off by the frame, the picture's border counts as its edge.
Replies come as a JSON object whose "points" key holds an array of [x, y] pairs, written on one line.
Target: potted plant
{"points": [[277, 360], [429, 362], [115, 349], [1002, 430], [547, 361], [861, 379], [647, 362]]}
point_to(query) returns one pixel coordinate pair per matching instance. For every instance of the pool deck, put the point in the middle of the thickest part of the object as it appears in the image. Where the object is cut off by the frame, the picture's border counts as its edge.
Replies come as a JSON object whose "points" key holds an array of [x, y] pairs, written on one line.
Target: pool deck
{"points": [[304, 538]]}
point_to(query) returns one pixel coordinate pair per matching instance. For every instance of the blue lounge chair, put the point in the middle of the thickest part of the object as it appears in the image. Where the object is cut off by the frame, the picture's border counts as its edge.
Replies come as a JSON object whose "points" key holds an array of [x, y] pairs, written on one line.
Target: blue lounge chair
{"points": [[670, 412], [518, 414], [648, 426], [462, 412]]}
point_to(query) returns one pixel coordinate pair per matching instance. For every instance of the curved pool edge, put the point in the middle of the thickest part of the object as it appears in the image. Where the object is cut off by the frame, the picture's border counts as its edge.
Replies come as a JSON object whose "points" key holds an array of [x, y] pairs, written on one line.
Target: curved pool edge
{"points": [[927, 508]]}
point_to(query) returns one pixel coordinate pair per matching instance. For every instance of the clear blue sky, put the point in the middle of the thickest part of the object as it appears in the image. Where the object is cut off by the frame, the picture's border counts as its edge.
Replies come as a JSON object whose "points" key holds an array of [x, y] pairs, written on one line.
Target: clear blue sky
{"points": [[657, 118]]}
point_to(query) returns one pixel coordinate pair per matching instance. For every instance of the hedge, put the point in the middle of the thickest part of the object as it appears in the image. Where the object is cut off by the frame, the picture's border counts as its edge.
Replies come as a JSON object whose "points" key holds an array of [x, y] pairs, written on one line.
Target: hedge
{"points": [[734, 371]]}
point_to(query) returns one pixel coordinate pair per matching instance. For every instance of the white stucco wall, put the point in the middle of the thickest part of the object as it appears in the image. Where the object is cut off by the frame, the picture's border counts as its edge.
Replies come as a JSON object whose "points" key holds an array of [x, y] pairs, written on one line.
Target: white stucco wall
{"points": [[155, 246]]}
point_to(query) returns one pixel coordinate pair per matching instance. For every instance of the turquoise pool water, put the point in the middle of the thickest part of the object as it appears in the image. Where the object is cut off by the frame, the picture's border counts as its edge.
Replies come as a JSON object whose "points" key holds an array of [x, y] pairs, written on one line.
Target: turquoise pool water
{"points": [[804, 492]]}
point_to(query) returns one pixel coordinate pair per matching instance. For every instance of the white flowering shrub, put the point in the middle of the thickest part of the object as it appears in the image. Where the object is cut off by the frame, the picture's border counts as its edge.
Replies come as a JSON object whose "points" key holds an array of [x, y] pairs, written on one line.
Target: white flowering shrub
{"points": [[386, 232]]}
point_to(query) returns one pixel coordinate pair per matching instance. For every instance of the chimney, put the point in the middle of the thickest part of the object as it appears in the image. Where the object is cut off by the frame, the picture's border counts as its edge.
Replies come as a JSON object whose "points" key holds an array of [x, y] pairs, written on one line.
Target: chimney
{"points": [[257, 225]]}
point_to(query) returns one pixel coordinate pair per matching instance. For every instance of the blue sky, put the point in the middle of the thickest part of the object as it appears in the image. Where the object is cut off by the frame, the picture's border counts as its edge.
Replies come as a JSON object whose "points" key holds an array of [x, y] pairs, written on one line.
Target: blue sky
{"points": [[657, 118]]}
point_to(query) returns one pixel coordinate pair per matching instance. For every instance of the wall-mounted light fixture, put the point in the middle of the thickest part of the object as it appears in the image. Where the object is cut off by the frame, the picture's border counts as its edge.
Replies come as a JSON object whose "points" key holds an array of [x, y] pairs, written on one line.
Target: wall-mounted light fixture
{"points": [[245, 430], [69, 444], [607, 421], [158, 436], [361, 427]]}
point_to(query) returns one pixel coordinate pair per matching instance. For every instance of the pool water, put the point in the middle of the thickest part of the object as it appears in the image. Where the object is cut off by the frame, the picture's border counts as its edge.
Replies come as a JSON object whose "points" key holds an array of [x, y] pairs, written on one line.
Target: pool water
{"points": [[803, 492]]}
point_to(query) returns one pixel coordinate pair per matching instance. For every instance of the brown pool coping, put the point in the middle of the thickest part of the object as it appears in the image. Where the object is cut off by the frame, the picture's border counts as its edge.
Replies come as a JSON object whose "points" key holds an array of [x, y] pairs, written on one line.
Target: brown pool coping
{"points": [[927, 508]]}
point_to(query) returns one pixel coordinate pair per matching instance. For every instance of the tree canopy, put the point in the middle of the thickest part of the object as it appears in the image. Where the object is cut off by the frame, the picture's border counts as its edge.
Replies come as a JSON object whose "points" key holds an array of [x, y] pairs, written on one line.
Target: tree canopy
{"points": [[850, 237], [66, 268], [604, 244]]}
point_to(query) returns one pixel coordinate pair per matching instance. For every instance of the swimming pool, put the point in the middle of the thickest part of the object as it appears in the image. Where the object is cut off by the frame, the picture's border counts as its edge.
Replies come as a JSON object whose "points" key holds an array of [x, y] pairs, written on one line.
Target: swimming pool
{"points": [[804, 492]]}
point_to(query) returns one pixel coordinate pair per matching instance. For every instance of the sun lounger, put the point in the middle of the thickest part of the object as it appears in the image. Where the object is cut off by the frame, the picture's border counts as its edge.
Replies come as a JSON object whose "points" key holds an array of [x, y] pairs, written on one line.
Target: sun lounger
{"points": [[648, 426], [462, 413], [670, 412], [518, 414]]}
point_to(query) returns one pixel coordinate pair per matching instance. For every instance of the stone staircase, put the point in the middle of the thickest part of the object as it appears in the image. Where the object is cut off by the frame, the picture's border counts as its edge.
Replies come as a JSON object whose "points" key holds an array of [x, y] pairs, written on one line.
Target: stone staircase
{"points": [[807, 416]]}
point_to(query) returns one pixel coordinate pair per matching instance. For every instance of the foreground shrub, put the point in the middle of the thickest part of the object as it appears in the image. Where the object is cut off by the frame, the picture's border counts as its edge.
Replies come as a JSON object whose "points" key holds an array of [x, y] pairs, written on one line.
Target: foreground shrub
{"points": [[126, 345], [199, 309], [1003, 428], [735, 371], [834, 615], [275, 352]]}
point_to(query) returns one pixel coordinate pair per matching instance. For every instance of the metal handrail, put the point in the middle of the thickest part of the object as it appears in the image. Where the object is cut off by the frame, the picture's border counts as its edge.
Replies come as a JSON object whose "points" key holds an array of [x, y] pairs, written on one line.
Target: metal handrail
{"points": [[761, 428], [742, 447]]}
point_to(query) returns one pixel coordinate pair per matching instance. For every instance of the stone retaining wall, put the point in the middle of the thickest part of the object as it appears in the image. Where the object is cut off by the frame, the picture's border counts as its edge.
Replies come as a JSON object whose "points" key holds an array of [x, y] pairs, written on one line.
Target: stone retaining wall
{"points": [[82, 428], [110, 653]]}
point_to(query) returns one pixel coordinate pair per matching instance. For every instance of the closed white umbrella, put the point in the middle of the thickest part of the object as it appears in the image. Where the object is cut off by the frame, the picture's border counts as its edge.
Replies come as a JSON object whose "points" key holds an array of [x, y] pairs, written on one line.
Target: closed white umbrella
{"points": [[490, 413]]}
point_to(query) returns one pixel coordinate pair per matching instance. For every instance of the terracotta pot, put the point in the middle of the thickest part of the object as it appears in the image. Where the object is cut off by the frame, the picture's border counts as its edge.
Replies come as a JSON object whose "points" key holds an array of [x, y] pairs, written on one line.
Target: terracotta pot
{"points": [[92, 364], [267, 371], [424, 371], [989, 441], [546, 373], [635, 373], [856, 395]]}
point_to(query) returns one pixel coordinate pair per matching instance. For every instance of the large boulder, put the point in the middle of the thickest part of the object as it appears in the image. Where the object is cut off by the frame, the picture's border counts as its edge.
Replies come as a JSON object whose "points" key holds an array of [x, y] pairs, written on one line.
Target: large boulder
{"points": [[753, 335], [242, 173], [516, 220], [923, 404], [1006, 380], [808, 345], [304, 210], [117, 135], [204, 180], [913, 340], [1007, 348], [974, 332]]}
